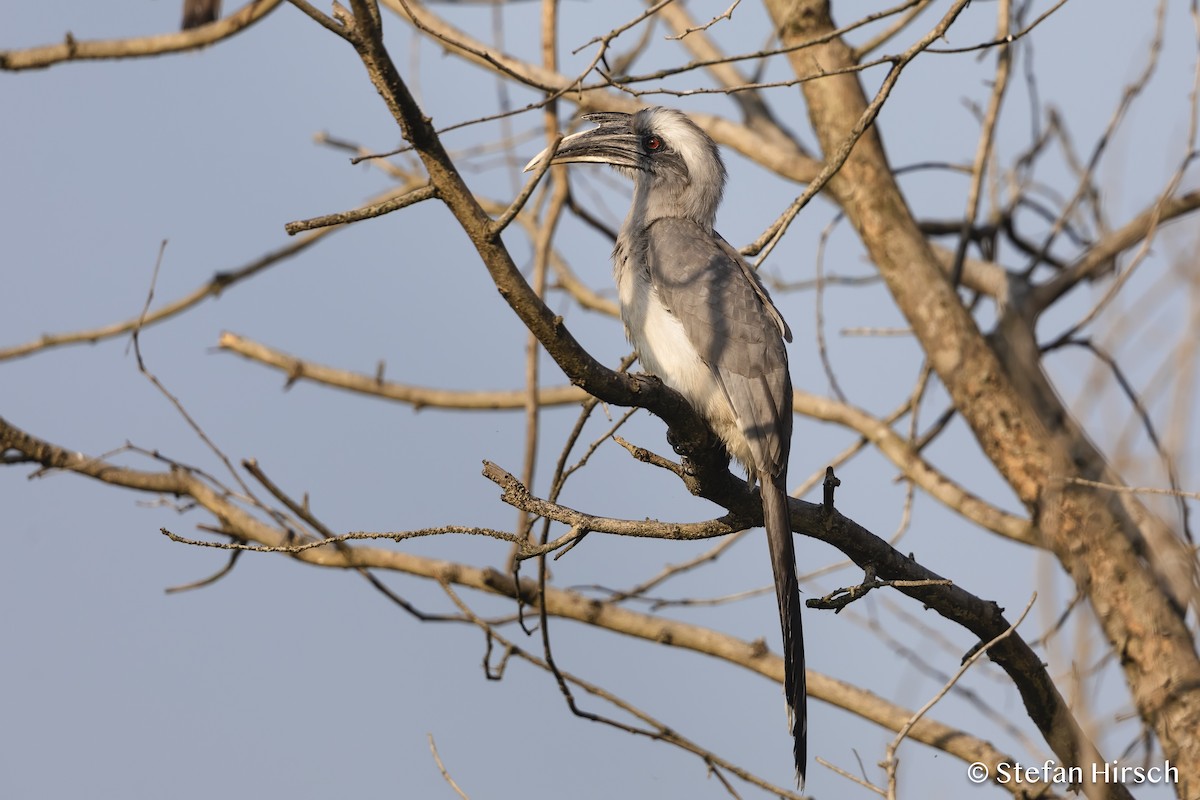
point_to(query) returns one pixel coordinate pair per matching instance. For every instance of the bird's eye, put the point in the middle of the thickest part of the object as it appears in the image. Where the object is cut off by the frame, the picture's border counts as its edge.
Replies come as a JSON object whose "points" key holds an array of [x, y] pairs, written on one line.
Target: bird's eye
{"points": [[652, 144]]}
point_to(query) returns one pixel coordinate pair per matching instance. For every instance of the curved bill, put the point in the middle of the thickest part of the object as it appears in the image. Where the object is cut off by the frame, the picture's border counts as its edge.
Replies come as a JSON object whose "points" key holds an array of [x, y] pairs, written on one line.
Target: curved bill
{"points": [[612, 142]]}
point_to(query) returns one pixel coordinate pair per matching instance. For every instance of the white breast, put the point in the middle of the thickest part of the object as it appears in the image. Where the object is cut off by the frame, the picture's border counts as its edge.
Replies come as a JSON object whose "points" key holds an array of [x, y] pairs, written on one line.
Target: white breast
{"points": [[665, 351]]}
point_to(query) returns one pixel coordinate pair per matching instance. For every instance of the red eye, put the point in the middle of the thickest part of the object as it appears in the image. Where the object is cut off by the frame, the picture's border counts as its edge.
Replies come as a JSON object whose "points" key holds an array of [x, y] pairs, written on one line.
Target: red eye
{"points": [[653, 144]]}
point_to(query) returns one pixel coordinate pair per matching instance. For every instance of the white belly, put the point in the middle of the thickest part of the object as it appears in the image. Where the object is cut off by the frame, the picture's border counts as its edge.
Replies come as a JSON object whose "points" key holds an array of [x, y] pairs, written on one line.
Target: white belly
{"points": [[666, 352]]}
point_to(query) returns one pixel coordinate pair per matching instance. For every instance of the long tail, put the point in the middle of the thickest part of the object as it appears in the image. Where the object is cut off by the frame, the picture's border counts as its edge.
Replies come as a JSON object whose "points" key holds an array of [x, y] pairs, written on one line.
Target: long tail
{"points": [[787, 591]]}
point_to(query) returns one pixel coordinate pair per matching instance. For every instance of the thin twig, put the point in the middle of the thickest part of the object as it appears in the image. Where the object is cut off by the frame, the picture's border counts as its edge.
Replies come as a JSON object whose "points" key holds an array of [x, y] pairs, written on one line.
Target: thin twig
{"points": [[726, 14], [442, 768], [217, 285], [890, 761]]}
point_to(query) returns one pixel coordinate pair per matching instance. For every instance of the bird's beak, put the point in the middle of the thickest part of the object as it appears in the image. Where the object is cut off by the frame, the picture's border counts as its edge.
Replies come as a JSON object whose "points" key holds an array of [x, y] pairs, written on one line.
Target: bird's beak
{"points": [[611, 142]]}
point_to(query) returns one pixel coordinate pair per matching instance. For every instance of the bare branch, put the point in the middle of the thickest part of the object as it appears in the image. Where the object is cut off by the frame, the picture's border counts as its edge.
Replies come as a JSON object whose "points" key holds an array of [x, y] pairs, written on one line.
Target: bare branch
{"points": [[1100, 255], [442, 768], [726, 14], [985, 619], [837, 157], [838, 599], [72, 50], [213, 288], [518, 496], [983, 149], [1112, 487], [890, 762], [402, 198], [518, 203], [417, 396], [332, 541], [656, 730]]}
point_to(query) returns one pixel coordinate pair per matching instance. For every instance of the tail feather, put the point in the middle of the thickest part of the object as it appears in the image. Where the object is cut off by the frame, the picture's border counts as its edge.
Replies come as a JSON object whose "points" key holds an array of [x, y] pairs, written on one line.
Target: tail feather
{"points": [[787, 591]]}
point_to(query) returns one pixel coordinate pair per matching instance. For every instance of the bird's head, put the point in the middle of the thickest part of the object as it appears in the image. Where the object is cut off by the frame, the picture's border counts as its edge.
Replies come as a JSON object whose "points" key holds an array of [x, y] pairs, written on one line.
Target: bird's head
{"points": [[676, 167]]}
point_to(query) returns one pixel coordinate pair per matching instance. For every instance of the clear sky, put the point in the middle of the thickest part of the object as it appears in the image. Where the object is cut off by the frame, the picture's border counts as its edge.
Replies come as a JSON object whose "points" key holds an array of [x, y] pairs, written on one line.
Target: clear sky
{"points": [[283, 680]]}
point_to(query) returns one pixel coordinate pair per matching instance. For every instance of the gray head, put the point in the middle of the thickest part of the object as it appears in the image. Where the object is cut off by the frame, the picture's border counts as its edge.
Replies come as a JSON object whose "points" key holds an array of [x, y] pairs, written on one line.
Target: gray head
{"points": [[676, 167]]}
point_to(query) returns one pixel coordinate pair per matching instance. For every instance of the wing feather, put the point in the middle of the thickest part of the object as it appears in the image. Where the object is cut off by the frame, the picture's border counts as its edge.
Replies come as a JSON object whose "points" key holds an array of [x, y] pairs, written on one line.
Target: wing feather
{"points": [[729, 318]]}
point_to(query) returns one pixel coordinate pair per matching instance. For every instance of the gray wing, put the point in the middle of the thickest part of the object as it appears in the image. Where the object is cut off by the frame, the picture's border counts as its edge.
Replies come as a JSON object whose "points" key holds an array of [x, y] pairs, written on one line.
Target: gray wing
{"points": [[730, 319]]}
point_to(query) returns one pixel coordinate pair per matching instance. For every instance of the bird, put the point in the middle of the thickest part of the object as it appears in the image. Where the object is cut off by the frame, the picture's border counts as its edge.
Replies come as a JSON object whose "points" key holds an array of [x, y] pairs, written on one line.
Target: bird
{"points": [[701, 321]]}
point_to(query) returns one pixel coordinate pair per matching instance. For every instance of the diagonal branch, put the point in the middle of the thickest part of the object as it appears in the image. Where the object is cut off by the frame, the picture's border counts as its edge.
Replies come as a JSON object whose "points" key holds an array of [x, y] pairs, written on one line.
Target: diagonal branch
{"points": [[72, 50], [418, 396], [1100, 256], [977, 614], [214, 288]]}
